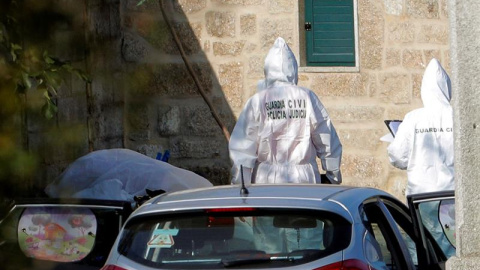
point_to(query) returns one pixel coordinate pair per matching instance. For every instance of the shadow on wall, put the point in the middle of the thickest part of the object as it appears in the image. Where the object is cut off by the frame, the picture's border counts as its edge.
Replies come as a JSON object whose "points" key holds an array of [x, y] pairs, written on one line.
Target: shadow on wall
{"points": [[164, 109]]}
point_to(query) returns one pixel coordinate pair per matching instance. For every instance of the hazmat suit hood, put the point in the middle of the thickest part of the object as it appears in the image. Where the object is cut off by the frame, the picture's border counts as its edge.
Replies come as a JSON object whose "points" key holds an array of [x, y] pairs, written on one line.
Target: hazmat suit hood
{"points": [[280, 64], [436, 90]]}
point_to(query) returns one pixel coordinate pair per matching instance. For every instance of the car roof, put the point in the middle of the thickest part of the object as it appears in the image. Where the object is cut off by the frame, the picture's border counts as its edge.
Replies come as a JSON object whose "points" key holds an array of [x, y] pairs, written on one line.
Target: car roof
{"points": [[341, 199]]}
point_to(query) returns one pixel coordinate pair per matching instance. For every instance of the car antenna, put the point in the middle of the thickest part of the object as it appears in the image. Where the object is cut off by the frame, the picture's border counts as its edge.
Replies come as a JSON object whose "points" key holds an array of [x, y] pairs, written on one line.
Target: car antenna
{"points": [[244, 190]]}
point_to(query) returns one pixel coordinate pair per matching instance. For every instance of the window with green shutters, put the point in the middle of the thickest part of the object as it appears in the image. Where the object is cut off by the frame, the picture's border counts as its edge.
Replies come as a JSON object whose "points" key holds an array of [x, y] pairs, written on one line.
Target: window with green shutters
{"points": [[330, 33]]}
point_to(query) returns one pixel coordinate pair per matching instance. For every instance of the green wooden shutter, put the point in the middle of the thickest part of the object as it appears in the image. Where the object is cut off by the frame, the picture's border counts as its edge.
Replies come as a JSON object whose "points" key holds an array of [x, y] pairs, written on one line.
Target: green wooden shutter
{"points": [[331, 40]]}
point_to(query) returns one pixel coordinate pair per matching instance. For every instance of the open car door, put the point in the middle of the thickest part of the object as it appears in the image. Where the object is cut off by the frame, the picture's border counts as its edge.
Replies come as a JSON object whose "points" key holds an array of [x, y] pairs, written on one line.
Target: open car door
{"points": [[60, 234], [433, 215]]}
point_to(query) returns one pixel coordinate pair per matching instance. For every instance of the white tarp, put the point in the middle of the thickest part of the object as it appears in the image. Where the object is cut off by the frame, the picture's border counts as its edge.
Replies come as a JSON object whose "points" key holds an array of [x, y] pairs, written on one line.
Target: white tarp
{"points": [[120, 174]]}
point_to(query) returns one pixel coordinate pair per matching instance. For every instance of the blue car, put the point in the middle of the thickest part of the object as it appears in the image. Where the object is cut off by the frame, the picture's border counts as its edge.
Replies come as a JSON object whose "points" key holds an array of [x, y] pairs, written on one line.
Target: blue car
{"points": [[291, 226]]}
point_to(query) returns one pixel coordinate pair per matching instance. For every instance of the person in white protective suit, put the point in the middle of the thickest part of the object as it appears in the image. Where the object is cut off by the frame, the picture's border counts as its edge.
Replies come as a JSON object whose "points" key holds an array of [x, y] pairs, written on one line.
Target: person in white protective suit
{"points": [[283, 128], [423, 145]]}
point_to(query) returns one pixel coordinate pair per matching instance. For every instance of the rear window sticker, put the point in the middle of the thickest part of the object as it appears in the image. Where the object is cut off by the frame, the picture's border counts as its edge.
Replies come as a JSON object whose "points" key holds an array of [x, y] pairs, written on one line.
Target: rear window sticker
{"points": [[162, 238], [57, 233]]}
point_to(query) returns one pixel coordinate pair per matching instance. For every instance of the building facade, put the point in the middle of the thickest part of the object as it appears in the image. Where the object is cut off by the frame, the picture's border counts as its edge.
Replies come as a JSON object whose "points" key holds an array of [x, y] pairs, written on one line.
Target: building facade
{"points": [[363, 58]]}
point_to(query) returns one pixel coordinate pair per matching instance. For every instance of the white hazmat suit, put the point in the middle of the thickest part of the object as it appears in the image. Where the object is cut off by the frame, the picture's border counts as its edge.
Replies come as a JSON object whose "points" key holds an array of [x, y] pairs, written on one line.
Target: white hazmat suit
{"points": [[423, 144], [283, 128]]}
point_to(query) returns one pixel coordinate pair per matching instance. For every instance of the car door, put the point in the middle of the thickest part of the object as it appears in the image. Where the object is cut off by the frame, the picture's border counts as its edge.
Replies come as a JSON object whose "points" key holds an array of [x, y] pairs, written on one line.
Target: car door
{"points": [[433, 215], [390, 225], [60, 233]]}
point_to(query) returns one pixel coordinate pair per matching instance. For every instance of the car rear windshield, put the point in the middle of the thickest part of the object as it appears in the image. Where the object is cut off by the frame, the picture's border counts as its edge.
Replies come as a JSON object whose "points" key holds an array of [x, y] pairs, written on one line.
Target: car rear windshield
{"points": [[220, 238]]}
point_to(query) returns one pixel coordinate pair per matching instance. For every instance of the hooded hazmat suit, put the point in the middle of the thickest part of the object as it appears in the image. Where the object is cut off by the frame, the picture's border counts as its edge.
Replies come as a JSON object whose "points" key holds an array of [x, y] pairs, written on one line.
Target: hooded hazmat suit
{"points": [[423, 144], [283, 128]]}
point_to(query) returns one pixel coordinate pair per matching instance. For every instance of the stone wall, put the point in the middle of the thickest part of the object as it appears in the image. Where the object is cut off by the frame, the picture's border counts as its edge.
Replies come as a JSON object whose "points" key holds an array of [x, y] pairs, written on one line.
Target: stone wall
{"points": [[154, 105]]}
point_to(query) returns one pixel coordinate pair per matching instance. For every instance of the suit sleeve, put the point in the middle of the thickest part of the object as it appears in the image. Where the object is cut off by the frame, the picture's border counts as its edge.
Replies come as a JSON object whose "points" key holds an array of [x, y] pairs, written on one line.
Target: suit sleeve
{"points": [[399, 149], [243, 143], [326, 141]]}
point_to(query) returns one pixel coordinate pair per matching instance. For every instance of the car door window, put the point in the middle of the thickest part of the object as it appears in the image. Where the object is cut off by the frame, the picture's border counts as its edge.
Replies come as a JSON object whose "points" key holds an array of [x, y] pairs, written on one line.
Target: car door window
{"points": [[447, 220], [438, 217], [390, 244]]}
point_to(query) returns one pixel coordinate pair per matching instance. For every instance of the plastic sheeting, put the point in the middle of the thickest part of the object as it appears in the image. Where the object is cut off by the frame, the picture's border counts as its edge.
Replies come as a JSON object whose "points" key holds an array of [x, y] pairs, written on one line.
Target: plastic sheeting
{"points": [[120, 174]]}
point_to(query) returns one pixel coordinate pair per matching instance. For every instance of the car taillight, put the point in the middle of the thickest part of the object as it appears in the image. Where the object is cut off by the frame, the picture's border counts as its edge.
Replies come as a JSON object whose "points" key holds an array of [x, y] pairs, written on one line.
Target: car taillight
{"points": [[346, 265], [112, 267]]}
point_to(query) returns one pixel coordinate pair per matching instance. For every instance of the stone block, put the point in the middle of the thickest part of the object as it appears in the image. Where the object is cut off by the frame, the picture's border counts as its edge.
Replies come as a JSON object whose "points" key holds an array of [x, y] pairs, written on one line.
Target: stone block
{"points": [[248, 24], [362, 166], [280, 6], [255, 67], [397, 183], [271, 29], [361, 139], [342, 85], [370, 17], [196, 147], [401, 32], [434, 34], [228, 48], [104, 20], [175, 80], [137, 116], [417, 84], [393, 7], [393, 58], [72, 109], [399, 112], [369, 80], [250, 48], [425, 9], [220, 24], [413, 59], [443, 8], [57, 145], [169, 120], [430, 54], [150, 150], [189, 35], [355, 114], [189, 6], [199, 121], [230, 77], [216, 174], [108, 142], [134, 48], [396, 88], [109, 123]]}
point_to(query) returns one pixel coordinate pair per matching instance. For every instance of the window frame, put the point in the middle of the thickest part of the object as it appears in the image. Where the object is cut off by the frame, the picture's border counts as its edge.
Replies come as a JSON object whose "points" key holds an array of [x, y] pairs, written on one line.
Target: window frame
{"points": [[303, 66]]}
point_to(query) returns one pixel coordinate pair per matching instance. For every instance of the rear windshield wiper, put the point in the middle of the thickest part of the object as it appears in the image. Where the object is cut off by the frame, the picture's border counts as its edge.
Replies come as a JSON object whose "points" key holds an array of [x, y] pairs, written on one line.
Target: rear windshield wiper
{"points": [[236, 262]]}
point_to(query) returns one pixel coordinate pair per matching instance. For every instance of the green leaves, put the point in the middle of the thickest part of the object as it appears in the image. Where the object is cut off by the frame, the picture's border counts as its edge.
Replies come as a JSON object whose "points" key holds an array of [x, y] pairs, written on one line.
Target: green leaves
{"points": [[14, 49], [141, 2], [49, 109], [31, 69]]}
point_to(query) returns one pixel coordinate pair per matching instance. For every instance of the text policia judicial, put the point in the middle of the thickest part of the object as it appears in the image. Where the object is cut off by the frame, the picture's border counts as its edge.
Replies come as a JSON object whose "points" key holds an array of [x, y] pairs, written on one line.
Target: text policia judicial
{"points": [[286, 109]]}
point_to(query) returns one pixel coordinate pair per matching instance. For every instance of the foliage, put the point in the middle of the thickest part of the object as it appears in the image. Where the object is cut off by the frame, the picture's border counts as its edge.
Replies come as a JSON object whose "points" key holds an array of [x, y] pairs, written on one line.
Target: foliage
{"points": [[27, 66]]}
